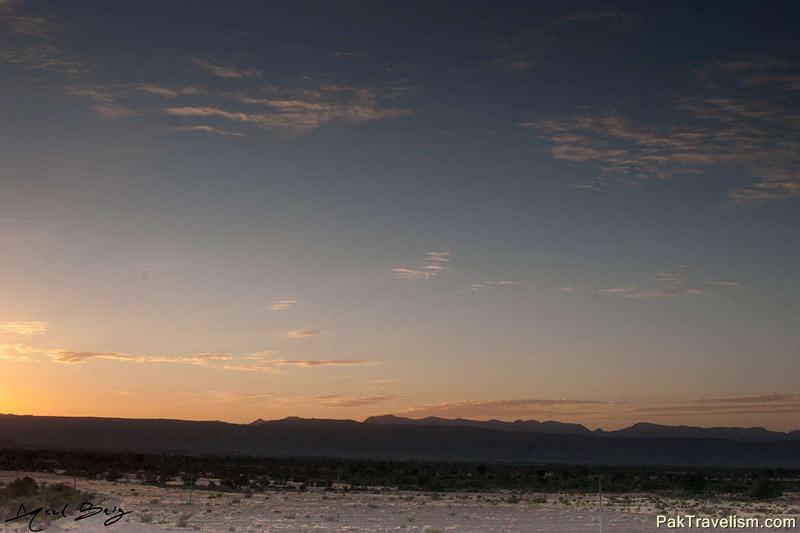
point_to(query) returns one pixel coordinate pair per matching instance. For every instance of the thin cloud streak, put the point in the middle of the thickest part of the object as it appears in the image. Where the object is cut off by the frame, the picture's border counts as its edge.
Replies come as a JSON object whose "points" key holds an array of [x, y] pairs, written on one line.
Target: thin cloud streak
{"points": [[257, 362], [226, 71], [282, 305], [477, 287], [435, 263], [303, 333], [26, 328], [629, 410], [313, 363]]}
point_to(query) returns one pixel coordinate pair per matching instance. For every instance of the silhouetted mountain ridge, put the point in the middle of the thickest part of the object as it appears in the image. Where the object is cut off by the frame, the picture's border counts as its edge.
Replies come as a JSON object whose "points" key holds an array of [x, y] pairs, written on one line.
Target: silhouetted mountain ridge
{"points": [[639, 430], [533, 426], [297, 437]]}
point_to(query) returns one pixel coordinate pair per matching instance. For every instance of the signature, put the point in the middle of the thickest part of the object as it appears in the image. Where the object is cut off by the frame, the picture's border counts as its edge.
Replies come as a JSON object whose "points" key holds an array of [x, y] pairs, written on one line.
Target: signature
{"points": [[86, 510]]}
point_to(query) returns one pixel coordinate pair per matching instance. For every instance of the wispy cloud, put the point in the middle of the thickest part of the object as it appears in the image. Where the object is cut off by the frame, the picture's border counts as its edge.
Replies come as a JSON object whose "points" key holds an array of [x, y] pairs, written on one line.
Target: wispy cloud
{"points": [[567, 288], [113, 111], [222, 397], [514, 64], [334, 400], [635, 292], [226, 70], [343, 55], [730, 128], [506, 408], [724, 283], [476, 287], [26, 328], [312, 363], [607, 13], [303, 333], [622, 411], [105, 99], [282, 305], [165, 92], [666, 277], [296, 112], [204, 128], [256, 362], [18, 353], [434, 264], [34, 44]]}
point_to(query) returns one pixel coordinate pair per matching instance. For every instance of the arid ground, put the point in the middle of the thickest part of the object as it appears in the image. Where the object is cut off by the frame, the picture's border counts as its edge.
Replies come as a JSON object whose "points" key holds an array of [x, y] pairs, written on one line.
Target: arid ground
{"points": [[155, 509]]}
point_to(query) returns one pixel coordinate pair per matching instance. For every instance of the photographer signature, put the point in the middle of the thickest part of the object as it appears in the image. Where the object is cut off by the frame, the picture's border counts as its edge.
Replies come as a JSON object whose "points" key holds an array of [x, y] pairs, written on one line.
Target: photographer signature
{"points": [[86, 510]]}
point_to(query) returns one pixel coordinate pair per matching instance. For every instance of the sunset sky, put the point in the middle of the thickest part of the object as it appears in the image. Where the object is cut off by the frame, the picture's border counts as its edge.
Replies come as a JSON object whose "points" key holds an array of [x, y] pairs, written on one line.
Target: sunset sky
{"points": [[587, 212]]}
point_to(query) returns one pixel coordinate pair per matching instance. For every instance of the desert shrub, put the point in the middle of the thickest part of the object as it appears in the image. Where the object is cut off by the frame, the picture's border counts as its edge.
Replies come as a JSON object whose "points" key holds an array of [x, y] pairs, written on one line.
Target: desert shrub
{"points": [[27, 492], [766, 489], [695, 484], [183, 520], [21, 488]]}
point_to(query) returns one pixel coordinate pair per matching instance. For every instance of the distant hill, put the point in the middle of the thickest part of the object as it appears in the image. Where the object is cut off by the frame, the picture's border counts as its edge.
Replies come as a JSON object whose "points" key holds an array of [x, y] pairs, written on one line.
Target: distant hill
{"points": [[640, 430], [754, 434], [532, 426], [402, 440]]}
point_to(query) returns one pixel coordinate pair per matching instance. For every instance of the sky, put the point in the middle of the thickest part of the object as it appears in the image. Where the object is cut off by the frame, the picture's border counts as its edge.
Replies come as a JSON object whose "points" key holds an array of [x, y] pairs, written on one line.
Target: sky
{"points": [[573, 211]]}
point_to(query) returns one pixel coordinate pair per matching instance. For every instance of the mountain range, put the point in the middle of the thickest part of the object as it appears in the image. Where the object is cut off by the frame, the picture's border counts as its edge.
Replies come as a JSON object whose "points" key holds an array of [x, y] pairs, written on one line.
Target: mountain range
{"points": [[642, 429], [396, 438]]}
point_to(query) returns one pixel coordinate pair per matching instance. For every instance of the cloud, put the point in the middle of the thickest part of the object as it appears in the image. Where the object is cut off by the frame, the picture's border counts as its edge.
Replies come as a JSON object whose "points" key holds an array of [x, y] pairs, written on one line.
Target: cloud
{"points": [[26, 328], [203, 128], [666, 277], [476, 287], [303, 333], [621, 411], [165, 92], [18, 353], [282, 305], [567, 288], [505, 408], [725, 283], [40, 27], [201, 359], [313, 363], [300, 111], [596, 14], [434, 264], [41, 53], [226, 71], [732, 128], [766, 191], [349, 401], [105, 98], [257, 362], [635, 292], [33, 42], [342, 55], [113, 111], [514, 64], [438, 257], [218, 396]]}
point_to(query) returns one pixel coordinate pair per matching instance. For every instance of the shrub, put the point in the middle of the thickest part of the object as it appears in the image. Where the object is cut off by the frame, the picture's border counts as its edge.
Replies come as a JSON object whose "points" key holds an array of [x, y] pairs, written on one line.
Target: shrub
{"points": [[766, 489]]}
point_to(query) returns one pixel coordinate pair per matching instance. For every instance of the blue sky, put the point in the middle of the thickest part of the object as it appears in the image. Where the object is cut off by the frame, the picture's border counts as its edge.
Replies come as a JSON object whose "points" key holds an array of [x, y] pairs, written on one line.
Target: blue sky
{"points": [[341, 209]]}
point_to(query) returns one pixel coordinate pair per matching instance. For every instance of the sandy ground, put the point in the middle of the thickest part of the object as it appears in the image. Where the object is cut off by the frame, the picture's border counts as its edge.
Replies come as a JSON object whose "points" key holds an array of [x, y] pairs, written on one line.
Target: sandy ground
{"points": [[155, 509]]}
